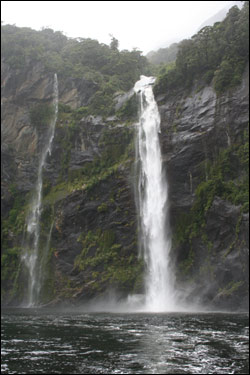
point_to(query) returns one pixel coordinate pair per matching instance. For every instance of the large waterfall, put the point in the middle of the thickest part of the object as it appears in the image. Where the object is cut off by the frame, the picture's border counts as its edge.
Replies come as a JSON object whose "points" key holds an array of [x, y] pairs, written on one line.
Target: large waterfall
{"points": [[31, 256], [155, 236]]}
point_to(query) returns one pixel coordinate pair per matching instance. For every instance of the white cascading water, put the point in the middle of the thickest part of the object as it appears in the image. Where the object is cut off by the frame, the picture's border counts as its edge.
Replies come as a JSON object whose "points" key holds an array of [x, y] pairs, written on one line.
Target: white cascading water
{"points": [[153, 204], [31, 254]]}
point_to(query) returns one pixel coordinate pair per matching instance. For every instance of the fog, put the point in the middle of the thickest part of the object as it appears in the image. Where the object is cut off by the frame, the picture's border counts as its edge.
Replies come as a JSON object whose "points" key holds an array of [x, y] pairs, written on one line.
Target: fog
{"points": [[145, 25]]}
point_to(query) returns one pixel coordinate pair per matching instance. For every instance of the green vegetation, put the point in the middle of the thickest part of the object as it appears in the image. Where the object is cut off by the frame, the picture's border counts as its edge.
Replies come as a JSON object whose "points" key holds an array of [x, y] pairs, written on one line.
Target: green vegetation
{"points": [[86, 178], [9, 263], [129, 111], [102, 208], [11, 232], [56, 193], [227, 178], [231, 288], [115, 147], [216, 53], [108, 262], [107, 68], [101, 258], [10, 270], [102, 244], [16, 219]]}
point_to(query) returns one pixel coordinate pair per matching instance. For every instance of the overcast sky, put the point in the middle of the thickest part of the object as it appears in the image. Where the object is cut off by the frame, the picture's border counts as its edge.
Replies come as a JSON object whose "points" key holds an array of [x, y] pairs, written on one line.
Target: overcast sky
{"points": [[146, 25]]}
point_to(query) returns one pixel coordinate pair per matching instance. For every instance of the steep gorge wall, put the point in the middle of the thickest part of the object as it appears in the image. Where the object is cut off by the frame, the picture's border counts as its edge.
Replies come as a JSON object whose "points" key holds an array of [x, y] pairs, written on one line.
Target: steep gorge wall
{"points": [[89, 199], [202, 134], [23, 89]]}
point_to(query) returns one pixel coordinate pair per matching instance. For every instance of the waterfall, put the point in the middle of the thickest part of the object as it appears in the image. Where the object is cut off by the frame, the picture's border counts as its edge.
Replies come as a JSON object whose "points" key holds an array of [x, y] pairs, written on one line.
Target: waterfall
{"points": [[31, 247], [155, 236]]}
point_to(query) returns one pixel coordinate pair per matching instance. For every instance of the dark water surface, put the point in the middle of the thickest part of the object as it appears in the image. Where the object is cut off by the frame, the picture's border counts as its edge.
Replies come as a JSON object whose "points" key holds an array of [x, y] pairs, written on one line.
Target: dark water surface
{"points": [[43, 341]]}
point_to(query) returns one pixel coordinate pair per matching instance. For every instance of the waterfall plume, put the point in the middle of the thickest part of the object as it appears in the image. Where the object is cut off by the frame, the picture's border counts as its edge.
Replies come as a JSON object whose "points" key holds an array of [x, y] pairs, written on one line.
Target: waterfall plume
{"points": [[155, 237]]}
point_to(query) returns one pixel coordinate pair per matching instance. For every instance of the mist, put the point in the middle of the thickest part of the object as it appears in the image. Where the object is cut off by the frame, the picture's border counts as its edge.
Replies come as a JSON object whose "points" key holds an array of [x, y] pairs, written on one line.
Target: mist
{"points": [[145, 25]]}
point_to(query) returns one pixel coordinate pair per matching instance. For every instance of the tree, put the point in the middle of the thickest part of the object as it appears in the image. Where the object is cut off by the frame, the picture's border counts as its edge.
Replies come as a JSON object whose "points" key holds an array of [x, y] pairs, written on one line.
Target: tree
{"points": [[114, 43]]}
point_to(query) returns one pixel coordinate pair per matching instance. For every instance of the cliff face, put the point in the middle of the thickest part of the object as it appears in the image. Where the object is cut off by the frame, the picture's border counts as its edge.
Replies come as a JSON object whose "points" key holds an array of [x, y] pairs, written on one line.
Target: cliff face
{"points": [[88, 218], [23, 89], [201, 138], [89, 214]]}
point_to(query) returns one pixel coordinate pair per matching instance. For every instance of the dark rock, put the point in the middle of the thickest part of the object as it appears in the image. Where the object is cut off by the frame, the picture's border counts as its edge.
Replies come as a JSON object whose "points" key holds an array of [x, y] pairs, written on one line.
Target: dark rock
{"points": [[121, 99], [193, 130]]}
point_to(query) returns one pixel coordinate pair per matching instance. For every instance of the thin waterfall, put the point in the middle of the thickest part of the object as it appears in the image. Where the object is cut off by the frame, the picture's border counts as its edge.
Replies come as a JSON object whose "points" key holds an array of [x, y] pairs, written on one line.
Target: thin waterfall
{"points": [[155, 238], [43, 263], [31, 251]]}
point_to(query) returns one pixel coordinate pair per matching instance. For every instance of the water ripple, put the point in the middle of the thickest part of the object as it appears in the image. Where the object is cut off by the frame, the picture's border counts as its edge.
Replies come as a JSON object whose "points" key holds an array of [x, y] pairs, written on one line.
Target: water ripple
{"points": [[124, 344]]}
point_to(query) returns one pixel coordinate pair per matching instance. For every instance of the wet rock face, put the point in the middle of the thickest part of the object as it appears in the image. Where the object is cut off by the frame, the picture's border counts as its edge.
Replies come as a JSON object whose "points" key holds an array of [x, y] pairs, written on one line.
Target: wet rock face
{"points": [[222, 271], [194, 128], [87, 188], [22, 90], [76, 92], [107, 209]]}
